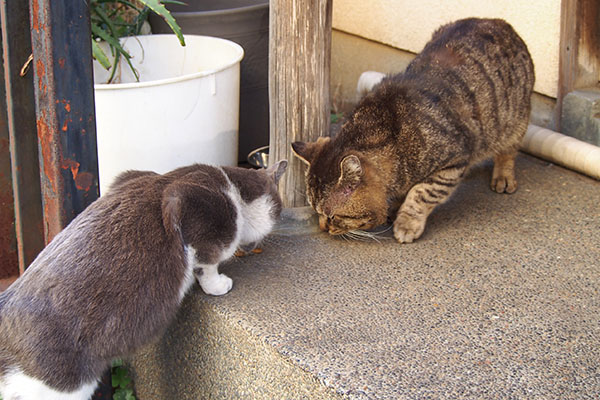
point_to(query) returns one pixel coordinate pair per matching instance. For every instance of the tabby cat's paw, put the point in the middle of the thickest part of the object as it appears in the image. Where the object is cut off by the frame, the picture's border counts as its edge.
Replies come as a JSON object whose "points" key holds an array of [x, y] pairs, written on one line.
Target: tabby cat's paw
{"points": [[407, 228], [216, 285], [504, 184]]}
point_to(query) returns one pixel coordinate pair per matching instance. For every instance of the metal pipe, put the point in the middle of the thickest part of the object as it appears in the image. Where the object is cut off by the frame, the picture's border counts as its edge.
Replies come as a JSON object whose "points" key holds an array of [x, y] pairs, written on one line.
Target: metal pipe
{"points": [[21, 132], [64, 94]]}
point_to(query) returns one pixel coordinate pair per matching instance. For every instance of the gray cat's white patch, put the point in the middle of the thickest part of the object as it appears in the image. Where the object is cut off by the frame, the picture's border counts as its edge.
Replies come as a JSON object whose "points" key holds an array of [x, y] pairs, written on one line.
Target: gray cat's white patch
{"points": [[188, 279], [254, 219], [234, 195], [258, 220], [16, 385]]}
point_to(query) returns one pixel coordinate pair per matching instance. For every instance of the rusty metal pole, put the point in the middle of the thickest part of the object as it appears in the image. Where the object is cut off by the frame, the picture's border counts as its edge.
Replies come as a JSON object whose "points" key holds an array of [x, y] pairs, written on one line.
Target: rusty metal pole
{"points": [[64, 96], [8, 242], [66, 125], [20, 137], [65, 117]]}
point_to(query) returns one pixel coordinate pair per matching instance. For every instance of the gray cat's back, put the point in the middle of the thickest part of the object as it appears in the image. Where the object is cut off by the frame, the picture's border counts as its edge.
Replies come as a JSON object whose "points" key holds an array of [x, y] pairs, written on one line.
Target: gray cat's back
{"points": [[125, 229], [84, 288]]}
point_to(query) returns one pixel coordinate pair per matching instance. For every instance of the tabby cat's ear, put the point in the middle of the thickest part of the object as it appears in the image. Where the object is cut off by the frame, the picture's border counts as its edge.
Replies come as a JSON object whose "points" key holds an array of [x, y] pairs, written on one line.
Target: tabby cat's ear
{"points": [[275, 171], [307, 151], [351, 171]]}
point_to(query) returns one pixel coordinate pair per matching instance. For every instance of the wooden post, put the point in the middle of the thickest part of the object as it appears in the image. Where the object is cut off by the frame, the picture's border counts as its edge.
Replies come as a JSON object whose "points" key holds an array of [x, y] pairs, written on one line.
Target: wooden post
{"points": [[299, 62], [579, 64]]}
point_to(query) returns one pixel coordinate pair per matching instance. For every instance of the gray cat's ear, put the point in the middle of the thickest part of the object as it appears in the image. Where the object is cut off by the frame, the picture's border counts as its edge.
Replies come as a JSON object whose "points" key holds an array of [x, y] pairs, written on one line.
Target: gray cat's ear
{"points": [[351, 171], [307, 151], [277, 170]]}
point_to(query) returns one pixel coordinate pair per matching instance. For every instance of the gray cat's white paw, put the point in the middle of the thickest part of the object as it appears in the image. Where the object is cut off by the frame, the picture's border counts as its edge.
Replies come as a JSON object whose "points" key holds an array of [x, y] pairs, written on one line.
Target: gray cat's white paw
{"points": [[216, 285], [407, 229]]}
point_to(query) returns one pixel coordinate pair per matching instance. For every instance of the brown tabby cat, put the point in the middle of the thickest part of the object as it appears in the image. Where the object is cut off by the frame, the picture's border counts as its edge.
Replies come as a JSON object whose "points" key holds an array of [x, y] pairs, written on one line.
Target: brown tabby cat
{"points": [[408, 143]]}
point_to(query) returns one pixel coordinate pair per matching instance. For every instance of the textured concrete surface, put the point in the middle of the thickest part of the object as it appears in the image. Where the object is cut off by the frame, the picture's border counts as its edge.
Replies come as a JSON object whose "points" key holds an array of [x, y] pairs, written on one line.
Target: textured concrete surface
{"points": [[581, 115], [500, 299]]}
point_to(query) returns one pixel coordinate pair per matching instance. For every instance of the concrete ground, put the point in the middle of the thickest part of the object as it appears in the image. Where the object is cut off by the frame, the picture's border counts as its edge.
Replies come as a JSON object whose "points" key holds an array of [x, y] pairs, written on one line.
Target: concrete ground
{"points": [[500, 299]]}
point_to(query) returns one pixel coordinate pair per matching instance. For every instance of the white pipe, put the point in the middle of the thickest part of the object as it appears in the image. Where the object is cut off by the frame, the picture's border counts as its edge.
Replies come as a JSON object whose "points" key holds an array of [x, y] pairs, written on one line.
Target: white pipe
{"points": [[564, 150], [540, 142], [367, 80]]}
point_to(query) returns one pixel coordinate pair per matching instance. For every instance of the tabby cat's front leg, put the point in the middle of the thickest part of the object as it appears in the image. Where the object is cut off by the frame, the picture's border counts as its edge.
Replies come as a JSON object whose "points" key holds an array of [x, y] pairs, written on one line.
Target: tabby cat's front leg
{"points": [[421, 200]]}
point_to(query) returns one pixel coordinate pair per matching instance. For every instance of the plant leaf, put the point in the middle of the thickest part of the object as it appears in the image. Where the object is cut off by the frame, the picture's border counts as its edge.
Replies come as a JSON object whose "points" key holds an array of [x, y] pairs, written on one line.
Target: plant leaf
{"points": [[117, 362], [120, 395], [102, 34], [99, 55], [119, 377], [115, 45], [159, 8]]}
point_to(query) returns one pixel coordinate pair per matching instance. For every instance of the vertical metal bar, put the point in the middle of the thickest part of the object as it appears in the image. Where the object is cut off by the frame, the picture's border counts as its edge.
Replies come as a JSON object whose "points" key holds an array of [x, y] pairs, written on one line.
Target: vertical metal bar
{"points": [[62, 61], [8, 241], [66, 126], [20, 123]]}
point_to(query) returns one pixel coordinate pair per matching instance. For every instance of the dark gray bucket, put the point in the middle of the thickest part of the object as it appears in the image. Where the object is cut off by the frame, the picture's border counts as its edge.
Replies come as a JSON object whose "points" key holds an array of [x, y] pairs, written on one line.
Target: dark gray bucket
{"points": [[245, 22]]}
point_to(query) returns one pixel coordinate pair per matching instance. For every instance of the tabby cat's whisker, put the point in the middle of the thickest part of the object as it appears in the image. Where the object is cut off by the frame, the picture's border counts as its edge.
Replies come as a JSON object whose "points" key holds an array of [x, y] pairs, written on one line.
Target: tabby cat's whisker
{"points": [[345, 237], [381, 232], [366, 236]]}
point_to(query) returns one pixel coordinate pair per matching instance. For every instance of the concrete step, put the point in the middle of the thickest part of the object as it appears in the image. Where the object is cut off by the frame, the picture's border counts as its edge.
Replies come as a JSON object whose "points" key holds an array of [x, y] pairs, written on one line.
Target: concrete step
{"points": [[500, 299], [581, 115]]}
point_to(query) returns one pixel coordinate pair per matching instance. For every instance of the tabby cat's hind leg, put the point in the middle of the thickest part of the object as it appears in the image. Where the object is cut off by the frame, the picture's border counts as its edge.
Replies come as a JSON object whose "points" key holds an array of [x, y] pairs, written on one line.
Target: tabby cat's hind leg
{"points": [[422, 199], [503, 177]]}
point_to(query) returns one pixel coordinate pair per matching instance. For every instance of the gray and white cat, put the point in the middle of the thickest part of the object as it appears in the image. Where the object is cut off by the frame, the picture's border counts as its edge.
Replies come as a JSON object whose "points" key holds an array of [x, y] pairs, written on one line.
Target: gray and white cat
{"points": [[114, 278]]}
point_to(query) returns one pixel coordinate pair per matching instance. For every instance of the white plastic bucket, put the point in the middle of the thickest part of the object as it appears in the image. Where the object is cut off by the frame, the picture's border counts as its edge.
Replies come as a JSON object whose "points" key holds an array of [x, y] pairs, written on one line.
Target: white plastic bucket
{"points": [[184, 109]]}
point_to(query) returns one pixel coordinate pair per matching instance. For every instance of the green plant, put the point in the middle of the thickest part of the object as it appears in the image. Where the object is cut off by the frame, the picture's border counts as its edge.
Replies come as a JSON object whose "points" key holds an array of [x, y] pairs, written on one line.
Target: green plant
{"points": [[121, 382], [336, 117], [113, 19]]}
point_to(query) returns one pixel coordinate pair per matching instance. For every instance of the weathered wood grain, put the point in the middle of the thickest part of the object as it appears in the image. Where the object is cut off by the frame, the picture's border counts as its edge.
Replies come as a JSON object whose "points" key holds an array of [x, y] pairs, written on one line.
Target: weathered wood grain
{"points": [[299, 63], [579, 65]]}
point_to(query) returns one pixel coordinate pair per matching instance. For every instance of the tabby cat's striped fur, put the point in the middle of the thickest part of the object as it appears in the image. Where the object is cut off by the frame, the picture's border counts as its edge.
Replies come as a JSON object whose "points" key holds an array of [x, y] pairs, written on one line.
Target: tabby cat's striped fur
{"points": [[404, 149]]}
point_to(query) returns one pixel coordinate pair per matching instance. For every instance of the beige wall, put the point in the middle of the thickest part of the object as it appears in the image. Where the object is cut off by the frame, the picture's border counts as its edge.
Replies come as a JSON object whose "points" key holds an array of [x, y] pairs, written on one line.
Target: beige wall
{"points": [[408, 25]]}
